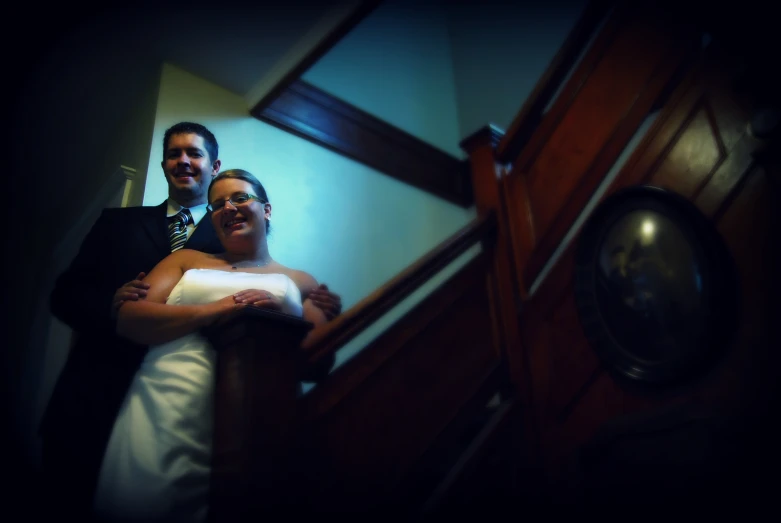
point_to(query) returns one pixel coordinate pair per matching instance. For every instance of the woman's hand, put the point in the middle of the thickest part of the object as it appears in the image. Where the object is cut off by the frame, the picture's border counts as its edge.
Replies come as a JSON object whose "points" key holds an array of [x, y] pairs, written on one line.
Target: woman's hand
{"points": [[258, 298], [221, 311]]}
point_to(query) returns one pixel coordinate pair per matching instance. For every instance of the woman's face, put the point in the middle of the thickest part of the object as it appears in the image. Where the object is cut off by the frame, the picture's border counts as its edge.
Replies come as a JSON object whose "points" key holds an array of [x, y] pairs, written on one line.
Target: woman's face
{"points": [[237, 220]]}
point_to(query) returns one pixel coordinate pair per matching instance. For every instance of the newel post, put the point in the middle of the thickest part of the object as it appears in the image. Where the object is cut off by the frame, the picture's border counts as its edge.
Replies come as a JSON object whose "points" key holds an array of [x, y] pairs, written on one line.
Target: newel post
{"points": [[488, 184], [487, 189], [257, 383]]}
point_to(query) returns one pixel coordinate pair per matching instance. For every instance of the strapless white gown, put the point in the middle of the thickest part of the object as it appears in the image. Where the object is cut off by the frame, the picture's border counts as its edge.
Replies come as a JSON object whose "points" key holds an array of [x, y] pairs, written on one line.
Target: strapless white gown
{"points": [[157, 463]]}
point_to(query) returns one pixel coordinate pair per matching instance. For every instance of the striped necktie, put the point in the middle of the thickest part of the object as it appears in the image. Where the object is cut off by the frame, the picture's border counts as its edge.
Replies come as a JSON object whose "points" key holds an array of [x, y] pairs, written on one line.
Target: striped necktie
{"points": [[177, 229]]}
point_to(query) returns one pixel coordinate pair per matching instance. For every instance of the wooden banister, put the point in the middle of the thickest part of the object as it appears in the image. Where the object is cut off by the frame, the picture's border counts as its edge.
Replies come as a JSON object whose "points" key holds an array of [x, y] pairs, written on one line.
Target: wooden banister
{"points": [[256, 386], [352, 322], [261, 433], [360, 435], [530, 114]]}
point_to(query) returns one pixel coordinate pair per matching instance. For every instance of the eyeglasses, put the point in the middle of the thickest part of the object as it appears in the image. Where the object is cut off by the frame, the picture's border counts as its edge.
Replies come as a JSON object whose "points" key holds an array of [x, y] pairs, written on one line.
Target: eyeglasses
{"points": [[236, 199]]}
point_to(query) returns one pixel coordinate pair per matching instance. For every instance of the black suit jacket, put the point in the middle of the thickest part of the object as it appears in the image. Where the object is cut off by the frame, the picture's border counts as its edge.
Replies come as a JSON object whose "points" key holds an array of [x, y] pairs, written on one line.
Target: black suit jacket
{"points": [[90, 390]]}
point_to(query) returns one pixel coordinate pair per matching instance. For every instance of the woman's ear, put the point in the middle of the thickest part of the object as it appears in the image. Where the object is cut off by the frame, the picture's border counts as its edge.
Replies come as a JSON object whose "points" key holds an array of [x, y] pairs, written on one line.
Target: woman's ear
{"points": [[267, 211]]}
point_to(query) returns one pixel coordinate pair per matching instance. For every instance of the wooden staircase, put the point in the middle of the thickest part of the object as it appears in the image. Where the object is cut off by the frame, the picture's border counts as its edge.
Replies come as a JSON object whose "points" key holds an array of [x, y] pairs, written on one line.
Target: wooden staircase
{"points": [[483, 392]]}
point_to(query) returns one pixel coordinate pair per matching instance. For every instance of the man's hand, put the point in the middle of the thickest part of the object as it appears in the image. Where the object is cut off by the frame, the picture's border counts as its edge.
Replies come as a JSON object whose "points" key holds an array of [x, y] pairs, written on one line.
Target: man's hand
{"points": [[327, 301], [131, 291]]}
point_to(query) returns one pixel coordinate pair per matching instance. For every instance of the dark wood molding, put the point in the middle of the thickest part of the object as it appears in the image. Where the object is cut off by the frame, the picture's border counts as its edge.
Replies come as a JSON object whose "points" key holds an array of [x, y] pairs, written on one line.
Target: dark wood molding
{"points": [[575, 395], [552, 173], [548, 240], [529, 116], [459, 480], [452, 446], [362, 11], [311, 113]]}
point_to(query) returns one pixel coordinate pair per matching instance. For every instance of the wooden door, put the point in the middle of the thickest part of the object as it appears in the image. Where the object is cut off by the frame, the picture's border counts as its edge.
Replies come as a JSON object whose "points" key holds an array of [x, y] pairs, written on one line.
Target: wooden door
{"points": [[702, 147]]}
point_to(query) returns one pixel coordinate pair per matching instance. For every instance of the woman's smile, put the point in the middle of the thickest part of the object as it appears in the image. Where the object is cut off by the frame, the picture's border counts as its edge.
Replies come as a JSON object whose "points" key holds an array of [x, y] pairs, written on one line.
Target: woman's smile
{"points": [[235, 223]]}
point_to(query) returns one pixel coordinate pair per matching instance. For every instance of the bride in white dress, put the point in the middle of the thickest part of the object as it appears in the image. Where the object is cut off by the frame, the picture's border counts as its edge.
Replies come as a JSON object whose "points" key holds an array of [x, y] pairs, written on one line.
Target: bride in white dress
{"points": [[157, 463]]}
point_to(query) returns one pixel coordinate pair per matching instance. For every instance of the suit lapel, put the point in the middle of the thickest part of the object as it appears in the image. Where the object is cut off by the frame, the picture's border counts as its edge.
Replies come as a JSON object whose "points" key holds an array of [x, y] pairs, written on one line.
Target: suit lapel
{"points": [[204, 238], [155, 226]]}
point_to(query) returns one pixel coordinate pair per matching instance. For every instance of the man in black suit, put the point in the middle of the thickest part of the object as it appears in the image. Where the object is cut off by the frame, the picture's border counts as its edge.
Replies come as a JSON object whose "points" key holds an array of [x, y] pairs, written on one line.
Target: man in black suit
{"points": [[80, 416]]}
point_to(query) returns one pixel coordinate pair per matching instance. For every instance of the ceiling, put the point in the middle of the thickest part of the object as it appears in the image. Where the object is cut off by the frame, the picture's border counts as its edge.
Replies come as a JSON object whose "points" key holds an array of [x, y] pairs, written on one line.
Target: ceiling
{"points": [[236, 47]]}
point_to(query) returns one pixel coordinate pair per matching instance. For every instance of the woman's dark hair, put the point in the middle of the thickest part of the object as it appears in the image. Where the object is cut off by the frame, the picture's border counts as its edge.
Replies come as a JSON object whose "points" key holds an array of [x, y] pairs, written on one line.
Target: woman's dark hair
{"points": [[241, 174]]}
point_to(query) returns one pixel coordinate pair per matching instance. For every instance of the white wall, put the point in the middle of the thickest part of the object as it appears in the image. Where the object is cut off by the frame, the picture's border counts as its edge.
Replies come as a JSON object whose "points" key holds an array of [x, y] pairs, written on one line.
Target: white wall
{"points": [[397, 65], [346, 224], [500, 50], [442, 70]]}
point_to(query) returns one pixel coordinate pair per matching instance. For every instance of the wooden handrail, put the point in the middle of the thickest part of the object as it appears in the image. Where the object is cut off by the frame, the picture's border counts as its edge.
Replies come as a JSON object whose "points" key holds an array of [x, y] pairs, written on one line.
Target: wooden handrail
{"points": [[351, 323], [271, 452], [530, 114], [313, 114]]}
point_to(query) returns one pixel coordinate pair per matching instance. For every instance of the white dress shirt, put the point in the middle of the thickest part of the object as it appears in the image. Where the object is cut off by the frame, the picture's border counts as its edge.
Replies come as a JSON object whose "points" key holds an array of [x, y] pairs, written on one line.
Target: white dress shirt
{"points": [[197, 212]]}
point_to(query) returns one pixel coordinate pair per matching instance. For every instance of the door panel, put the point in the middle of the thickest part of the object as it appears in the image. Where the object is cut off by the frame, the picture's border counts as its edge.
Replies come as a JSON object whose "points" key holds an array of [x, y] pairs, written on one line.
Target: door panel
{"points": [[700, 148]]}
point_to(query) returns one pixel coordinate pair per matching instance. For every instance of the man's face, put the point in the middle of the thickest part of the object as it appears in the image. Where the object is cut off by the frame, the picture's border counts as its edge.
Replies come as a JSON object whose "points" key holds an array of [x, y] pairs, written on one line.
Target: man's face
{"points": [[188, 169]]}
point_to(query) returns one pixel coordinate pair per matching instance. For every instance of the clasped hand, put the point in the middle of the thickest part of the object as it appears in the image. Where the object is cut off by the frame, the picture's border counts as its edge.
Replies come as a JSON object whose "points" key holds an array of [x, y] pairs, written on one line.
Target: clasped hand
{"points": [[322, 297], [258, 298], [223, 310], [137, 289]]}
